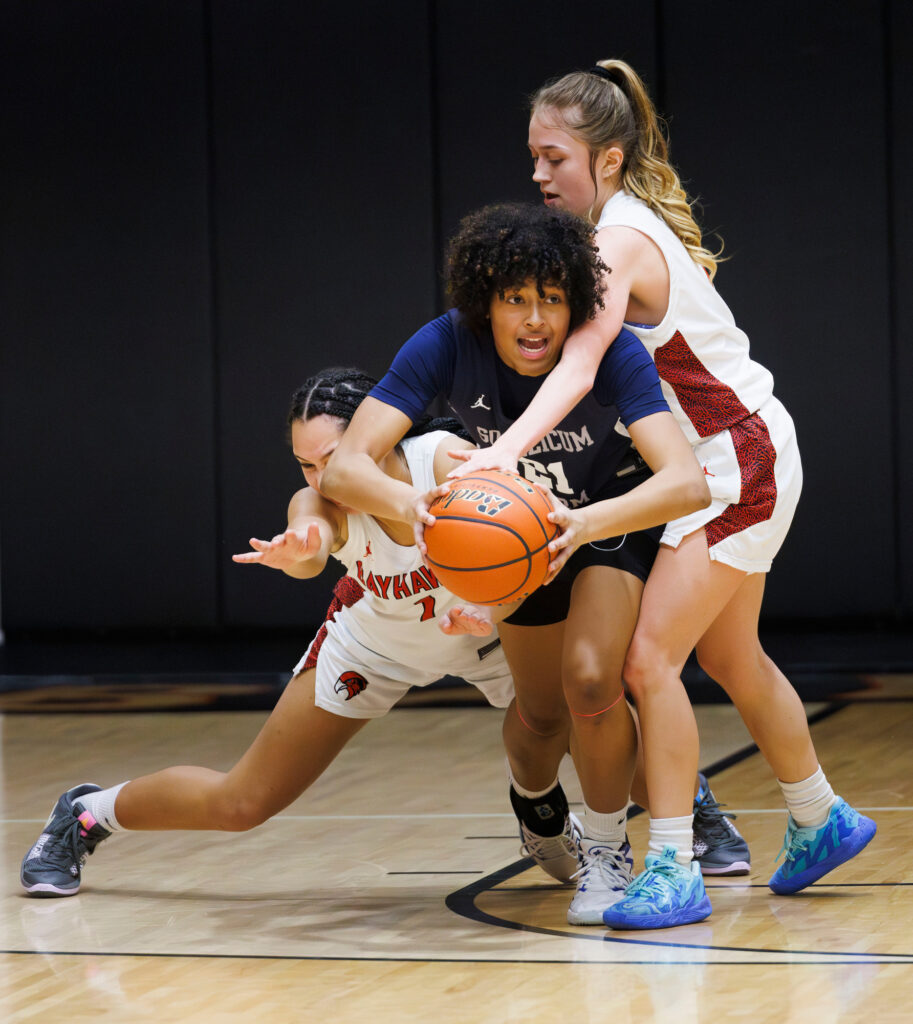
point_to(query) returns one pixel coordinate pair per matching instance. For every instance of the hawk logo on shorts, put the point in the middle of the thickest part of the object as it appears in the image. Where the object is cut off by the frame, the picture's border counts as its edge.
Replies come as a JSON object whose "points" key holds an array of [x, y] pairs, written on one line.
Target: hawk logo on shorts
{"points": [[351, 684]]}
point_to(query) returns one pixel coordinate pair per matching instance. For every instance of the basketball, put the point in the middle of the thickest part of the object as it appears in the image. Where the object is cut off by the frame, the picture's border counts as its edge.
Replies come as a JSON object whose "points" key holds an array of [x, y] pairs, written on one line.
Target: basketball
{"points": [[489, 541]]}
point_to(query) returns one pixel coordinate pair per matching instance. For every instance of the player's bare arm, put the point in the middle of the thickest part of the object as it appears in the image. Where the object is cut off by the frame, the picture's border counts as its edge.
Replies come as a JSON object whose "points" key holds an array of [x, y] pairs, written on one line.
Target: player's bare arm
{"points": [[315, 528], [353, 476]]}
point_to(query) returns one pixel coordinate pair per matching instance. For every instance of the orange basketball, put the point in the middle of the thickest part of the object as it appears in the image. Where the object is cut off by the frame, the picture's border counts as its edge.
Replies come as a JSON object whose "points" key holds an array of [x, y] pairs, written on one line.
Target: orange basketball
{"points": [[489, 541]]}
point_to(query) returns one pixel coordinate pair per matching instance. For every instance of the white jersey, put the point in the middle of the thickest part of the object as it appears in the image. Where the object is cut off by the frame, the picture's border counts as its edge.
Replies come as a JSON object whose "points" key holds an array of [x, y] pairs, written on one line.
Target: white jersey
{"points": [[707, 375], [381, 635], [741, 435]]}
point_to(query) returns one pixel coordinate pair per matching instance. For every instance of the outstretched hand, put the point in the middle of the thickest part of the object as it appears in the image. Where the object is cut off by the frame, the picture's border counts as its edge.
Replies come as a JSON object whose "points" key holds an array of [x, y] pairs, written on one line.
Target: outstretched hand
{"points": [[284, 550], [466, 619], [475, 459]]}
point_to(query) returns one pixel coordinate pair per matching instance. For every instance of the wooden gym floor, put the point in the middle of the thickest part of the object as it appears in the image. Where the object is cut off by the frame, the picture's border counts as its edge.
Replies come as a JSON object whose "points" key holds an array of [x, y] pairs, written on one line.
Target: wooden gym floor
{"points": [[394, 890]]}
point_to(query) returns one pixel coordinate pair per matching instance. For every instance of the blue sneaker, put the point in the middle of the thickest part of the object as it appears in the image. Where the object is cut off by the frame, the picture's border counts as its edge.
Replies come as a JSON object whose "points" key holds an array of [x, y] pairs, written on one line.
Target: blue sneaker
{"points": [[53, 866], [663, 895], [812, 852]]}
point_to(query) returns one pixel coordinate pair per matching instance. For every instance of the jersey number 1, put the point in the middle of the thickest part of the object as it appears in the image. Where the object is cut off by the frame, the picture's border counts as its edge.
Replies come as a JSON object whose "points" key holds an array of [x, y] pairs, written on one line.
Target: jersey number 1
{"points": [[427, 604]]}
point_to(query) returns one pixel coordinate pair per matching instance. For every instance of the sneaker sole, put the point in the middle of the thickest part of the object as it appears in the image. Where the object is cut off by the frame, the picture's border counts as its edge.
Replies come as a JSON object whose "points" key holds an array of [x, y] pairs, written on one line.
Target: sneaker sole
{"points": [[854, 843], [688, 915], [593, 918], [46, 890], [737, 867]]}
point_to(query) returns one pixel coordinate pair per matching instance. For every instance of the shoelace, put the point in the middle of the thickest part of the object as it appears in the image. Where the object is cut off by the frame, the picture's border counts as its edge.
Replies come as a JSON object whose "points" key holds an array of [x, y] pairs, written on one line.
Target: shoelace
{"points": [[798, 839], [65, 848], [658, 877], [598, 860], [711, 819], [795, 842], [538, 846]]}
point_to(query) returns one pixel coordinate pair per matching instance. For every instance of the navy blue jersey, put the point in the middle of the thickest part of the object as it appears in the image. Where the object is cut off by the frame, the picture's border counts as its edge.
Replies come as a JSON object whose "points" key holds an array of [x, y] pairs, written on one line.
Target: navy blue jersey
{"points": [[580, 458]]}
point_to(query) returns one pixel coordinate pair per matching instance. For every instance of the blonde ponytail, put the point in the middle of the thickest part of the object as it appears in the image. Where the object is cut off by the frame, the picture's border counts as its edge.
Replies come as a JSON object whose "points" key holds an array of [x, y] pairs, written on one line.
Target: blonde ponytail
{"points": [[609, 105]]}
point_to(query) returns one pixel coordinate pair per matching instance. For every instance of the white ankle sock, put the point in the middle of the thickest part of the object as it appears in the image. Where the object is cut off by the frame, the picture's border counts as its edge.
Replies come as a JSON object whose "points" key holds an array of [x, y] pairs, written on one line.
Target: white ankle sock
{"points": [[810, 801], [101, 806], [608, 828], [675, 832]]}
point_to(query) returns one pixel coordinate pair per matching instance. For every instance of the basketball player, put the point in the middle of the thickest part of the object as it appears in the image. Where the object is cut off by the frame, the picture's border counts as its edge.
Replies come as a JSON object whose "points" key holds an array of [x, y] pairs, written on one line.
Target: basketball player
{"points": [[599, 152], [380, 638], [521, 277]]}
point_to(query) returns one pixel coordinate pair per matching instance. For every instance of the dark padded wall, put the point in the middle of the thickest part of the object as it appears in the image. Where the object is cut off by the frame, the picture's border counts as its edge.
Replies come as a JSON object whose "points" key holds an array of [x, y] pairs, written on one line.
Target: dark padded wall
{"points": [[489, 59], [323, 211], [778, 121], [900, 51], [106, 376], [205, 202]]}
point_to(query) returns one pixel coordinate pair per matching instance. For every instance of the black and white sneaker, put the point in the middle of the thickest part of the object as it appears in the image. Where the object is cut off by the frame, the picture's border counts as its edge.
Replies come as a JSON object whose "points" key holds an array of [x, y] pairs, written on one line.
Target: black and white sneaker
{"points": [[719, 847], [53, 866]]}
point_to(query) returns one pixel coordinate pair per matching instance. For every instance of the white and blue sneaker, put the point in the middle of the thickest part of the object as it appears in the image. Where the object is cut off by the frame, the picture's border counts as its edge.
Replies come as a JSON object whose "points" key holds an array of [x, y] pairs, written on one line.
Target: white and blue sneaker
{"points": [[665, 894], [811, 852], [53, 866], [605, 872]]}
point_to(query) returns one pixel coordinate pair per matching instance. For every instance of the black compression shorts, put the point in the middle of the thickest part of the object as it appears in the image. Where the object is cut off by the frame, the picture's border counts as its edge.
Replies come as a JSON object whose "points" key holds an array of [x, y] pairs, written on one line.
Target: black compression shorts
{"points": [[633, 553]]}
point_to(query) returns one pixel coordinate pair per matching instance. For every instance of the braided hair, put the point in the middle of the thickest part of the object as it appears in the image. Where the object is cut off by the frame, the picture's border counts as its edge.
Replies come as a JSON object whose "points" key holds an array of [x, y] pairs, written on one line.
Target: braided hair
{"points": [[338, 391], [506, 244]]}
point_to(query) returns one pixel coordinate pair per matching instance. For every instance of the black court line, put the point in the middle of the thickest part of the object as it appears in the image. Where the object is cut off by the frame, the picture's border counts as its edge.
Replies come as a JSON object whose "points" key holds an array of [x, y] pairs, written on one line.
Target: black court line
{"points": [[462, 902], [508, 962], [731, 887]]}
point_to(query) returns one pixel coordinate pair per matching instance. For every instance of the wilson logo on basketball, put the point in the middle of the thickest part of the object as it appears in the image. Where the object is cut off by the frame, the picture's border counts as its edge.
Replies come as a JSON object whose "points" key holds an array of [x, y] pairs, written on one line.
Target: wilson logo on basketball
{"points": [[486, 504], [351, 684]]}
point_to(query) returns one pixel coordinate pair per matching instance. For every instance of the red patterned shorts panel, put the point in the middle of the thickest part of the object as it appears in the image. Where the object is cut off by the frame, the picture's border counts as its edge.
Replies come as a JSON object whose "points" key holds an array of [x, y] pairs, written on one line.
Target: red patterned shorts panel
{"points": [[346, 593], [756, 457]]}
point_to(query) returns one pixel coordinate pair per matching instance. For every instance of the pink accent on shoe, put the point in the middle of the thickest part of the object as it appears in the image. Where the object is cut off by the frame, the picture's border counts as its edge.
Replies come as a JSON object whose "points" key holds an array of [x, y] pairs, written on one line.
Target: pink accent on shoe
{"points": [[87, 822]]}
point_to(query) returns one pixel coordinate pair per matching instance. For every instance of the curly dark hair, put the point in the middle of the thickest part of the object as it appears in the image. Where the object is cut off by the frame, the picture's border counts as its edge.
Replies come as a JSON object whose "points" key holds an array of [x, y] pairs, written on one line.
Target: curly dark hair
{"points": [[339, 390], [506, 244]]}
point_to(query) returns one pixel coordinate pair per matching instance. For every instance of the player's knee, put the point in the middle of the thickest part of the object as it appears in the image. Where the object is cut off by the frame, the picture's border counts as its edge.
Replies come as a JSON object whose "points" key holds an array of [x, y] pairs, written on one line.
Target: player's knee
{"points": [[589, 687], [544, 722], [241, 813], [639, 670]]}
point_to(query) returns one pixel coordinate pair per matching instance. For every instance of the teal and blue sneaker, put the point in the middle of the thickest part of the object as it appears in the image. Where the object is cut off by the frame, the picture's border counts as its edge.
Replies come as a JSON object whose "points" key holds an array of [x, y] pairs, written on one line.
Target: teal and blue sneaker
{"points": [[812, 852], [663, 895]]}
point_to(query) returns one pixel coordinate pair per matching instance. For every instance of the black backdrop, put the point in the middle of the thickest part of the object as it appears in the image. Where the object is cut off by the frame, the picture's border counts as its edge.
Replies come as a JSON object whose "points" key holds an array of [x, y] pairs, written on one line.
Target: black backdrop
{"points": [[204, 202]]}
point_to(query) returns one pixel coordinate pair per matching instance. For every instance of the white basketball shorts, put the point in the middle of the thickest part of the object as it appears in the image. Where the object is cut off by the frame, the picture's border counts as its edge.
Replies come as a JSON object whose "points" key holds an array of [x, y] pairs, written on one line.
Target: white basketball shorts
{"points": [[356, 682], [754, 473]]}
